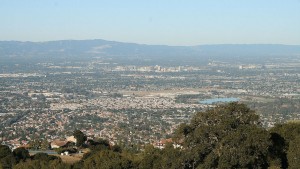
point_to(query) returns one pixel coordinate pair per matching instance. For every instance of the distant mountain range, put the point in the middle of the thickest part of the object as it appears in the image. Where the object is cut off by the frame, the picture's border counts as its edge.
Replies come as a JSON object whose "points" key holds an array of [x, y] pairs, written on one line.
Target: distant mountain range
{"points": [[87, 49]]}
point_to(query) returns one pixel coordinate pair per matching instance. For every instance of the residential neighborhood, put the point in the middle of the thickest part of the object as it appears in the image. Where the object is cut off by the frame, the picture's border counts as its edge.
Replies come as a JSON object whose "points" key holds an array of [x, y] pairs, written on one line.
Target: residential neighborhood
{"points": [[133, 103]]}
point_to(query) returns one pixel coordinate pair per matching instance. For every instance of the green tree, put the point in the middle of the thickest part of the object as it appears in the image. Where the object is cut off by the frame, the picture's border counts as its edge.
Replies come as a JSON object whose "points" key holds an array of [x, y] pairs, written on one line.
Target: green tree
{"points": [[107, 159], [293, 153], [277, 152], [98, 144], [58, 164], [21, 154], [4, 151], [247, 147], [80, 138], [35, 164], [44, 157], [42, 164], [286, 135], [171, 158], [151, 158], [7, 159], [116, 148], [206, 135], [288, 131]]}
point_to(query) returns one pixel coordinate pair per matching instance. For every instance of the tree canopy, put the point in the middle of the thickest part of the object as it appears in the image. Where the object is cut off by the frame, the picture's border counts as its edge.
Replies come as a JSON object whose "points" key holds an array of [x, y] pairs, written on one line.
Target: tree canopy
{"points": [[80, 137]]}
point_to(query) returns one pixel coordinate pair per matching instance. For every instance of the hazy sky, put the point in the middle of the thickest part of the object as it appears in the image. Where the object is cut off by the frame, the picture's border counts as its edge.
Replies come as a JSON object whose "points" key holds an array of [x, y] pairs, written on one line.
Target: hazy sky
{"points": [[171, 22]]}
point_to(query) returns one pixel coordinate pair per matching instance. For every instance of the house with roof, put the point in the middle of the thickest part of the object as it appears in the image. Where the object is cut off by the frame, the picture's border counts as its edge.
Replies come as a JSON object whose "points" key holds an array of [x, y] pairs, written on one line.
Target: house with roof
{"points": [[71, 139], [162, 143], [58, 143]]}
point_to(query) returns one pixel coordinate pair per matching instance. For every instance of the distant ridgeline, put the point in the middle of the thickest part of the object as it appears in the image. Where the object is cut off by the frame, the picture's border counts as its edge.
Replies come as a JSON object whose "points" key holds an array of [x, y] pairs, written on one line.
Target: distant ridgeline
{"points": [[68, 50], [228, 136]]}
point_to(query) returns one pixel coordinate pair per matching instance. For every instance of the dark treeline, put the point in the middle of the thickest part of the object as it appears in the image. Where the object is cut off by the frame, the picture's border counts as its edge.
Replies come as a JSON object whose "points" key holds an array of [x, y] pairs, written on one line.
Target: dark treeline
{"points": [[228, 136]]}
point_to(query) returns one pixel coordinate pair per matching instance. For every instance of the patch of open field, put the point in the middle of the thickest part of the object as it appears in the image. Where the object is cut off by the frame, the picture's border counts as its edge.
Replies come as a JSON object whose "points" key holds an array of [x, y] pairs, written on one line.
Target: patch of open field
{"points": [[70, 159], [166, 92]]}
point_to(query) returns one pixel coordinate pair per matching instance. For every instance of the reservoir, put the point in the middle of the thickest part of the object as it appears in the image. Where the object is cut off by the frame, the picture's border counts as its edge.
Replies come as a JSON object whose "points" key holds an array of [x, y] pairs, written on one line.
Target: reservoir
{"points": [[218, 100]]}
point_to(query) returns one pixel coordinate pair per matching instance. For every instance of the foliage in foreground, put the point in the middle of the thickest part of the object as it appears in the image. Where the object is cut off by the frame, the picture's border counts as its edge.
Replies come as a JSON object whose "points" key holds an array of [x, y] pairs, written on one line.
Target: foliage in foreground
{"points": [[228, 136]]}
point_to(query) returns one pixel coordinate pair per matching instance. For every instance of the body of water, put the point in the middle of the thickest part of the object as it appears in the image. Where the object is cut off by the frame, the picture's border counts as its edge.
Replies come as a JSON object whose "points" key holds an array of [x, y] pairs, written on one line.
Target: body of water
{"points": [[217, 100]]}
